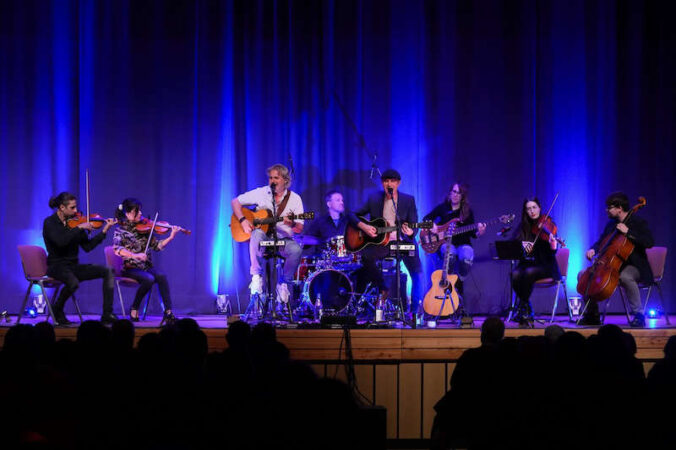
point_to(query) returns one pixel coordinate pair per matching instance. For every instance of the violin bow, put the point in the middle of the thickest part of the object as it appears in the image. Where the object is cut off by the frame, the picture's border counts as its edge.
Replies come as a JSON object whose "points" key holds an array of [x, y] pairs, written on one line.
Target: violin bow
{"points": [[547, 215], [150, 235]]}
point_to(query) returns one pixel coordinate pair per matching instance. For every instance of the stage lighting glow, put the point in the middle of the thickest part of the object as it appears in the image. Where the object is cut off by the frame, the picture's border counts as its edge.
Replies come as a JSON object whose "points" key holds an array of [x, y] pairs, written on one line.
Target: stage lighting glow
{"points": [[652, 313], [30, 312]]}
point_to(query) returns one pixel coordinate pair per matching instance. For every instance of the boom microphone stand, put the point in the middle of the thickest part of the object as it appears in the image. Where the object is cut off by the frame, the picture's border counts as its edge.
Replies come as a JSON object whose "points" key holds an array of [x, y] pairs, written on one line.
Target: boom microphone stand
{"points": [[397, 256]]}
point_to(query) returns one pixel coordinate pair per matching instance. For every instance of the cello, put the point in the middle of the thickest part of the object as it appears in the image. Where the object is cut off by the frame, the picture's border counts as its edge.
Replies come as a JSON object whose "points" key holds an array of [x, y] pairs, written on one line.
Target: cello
{"points": [[599, 281]]}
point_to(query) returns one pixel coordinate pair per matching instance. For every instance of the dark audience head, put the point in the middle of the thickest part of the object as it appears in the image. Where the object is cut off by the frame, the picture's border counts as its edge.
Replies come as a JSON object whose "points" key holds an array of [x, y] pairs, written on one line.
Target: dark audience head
{"points": [[21, 340], [93, 335], [553, 333], [263, 333], [238, 335], [492, 330], [670, 349], [123, 335]]}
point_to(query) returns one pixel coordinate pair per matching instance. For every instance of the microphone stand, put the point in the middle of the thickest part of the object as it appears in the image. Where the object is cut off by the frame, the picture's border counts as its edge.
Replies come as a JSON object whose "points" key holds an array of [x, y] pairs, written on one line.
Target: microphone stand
{"points": [[397, 256], [277, 263]]}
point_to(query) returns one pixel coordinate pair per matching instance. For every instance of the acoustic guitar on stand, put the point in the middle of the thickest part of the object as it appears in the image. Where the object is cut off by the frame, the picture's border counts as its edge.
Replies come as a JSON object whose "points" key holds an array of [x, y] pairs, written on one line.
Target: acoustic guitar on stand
{"points": [[262, 219]]}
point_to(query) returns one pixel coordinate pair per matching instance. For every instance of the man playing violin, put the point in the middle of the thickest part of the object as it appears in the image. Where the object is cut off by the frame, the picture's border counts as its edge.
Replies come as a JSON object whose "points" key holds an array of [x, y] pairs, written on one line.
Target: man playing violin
{"points": [[636, 268], [62, 244], [286, 203], [380, 205], [130, 244]]}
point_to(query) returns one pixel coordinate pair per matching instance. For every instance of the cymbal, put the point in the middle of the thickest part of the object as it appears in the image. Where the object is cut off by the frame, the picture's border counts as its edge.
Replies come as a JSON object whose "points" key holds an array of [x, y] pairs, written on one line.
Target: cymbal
{"points": [[305, 239]]}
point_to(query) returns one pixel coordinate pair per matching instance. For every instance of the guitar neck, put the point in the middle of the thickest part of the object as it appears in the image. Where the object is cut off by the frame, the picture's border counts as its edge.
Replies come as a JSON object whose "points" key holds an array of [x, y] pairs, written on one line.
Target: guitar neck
{"points": [[473, 226], [381, 230]]}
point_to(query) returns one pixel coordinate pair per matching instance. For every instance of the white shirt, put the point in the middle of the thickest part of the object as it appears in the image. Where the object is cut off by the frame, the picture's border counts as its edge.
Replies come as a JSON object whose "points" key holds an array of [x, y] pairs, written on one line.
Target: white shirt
{"points": [[262, 198]]}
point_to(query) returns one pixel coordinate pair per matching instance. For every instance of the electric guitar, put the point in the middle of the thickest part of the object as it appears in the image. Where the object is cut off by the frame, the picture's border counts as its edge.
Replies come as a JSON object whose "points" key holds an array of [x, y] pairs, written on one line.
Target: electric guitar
{"points": [[356, 239], [260, 219], [442, 298], [432, 241]]}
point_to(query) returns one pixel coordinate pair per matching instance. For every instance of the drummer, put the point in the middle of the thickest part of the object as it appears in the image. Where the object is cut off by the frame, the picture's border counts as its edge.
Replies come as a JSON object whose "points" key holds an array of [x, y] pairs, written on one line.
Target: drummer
{"points": [[328, 225]]}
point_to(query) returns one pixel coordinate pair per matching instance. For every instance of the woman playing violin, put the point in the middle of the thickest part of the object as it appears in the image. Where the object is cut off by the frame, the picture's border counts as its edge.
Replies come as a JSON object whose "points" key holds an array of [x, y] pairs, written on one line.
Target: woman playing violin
{"points": [[538, 262], [129, 242]]}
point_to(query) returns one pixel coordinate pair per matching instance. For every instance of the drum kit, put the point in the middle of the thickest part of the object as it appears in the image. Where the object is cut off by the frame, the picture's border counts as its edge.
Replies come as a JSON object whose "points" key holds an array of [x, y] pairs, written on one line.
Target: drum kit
{"points": [[330, 277]]}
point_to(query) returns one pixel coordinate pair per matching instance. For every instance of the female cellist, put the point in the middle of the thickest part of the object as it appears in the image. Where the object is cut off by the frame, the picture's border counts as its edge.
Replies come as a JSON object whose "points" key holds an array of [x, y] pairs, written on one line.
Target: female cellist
{"points": [[130, 244], [635, 268], [538, 261]]}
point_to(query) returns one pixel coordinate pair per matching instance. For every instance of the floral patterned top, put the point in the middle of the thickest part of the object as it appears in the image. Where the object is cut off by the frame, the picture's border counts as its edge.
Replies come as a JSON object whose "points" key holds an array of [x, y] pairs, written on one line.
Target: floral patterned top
{"points": [[126, 237]]}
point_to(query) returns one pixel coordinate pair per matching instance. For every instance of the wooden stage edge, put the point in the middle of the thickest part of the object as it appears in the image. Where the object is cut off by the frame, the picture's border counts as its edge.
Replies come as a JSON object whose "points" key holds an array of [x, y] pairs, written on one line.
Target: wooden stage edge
{"points": [[395, 344]]}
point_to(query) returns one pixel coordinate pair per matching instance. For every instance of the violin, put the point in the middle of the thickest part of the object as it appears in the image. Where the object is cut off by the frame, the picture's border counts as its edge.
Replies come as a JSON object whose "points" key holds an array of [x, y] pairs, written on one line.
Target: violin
{"points": [[145, 225], [544, 227], [96, 220]]}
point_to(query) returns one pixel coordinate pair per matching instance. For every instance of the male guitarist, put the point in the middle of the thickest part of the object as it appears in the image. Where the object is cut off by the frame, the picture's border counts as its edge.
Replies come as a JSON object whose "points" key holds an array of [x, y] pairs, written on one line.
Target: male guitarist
{"points": [[380, 205], [286, 203], [456, 206]]}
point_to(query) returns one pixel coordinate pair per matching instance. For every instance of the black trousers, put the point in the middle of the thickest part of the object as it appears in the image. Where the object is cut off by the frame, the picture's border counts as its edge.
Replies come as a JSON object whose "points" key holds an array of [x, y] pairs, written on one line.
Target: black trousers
{"points": [[72, 274], [524, 277], [146, 278], [372, 254]]}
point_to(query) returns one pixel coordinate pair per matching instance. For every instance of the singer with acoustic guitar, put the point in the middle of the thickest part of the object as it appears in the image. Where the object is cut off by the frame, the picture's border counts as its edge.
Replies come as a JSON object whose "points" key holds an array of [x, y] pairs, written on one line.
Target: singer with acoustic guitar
{"points": [[381, 205], [288, 207]]}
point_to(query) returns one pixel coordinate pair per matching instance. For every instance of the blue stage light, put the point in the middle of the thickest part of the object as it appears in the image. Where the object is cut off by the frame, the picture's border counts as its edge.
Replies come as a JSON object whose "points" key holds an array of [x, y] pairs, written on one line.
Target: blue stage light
{"points": [[30, 312], [652, 313]]}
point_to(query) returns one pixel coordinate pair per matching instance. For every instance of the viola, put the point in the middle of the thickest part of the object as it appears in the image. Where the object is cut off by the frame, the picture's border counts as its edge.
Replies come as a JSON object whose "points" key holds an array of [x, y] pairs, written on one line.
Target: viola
{"points": [[96, 220], [161, 227], [544, 227]]}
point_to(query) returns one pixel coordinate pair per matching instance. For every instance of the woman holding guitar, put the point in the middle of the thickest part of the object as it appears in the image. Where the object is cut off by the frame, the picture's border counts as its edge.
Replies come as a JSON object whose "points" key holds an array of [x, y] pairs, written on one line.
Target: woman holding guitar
{"points": [[538, 259], [455, 210], [131, 245]]}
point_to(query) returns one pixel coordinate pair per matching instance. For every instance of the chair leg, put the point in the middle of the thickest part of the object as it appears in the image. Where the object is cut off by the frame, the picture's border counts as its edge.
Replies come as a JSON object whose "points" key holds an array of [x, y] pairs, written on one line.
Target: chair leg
{"points": [[77, 307], [145, 308], [624, 304], [664, 306], [23, 305], [584, 310], [512, 307], [556, 301], [119, 295], [49, 302], [565, 295]]}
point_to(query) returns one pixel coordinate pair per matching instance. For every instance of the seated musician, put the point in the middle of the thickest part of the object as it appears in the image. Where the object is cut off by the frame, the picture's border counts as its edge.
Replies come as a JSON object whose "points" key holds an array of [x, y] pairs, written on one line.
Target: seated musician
{"points": [[455, 206], [380, 205], [286, 202], [539, 259], [63, 264], [636, 268], [331, 224], [130, 245]]}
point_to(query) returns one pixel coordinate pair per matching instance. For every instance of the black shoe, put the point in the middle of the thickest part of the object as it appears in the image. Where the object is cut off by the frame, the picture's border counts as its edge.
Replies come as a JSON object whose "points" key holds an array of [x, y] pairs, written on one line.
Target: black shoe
{"points": [[168, 319], [59, 316], [638, 322], [590, 320], [108, 318]]}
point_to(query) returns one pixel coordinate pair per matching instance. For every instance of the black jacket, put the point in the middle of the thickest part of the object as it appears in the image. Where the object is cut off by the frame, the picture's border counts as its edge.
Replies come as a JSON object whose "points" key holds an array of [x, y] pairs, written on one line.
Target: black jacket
{"points": [[640, 235], [373, 208], [443, 213], [62, 242]]}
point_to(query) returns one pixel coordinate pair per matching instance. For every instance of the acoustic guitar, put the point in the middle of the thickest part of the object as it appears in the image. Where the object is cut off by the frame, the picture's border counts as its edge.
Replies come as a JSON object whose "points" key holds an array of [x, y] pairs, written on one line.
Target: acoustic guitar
{"points": [[442, 298], [356, 239], [432, 241], [262, 219]]}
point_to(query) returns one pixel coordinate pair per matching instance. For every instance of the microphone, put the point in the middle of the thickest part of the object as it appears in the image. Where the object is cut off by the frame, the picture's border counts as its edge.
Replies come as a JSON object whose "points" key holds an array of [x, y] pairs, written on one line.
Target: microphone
{"points": [[503, 231], [273, 186], [390, 190]]}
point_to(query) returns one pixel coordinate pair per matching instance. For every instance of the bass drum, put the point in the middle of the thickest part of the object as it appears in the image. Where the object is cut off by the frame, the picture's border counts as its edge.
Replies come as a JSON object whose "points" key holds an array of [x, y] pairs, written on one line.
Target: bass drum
{"points": [[334, 287]]}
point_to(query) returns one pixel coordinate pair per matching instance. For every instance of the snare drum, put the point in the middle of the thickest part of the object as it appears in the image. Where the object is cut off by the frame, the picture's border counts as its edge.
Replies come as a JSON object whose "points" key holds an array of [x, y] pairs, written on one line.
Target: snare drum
{"points": [[334, 287]]}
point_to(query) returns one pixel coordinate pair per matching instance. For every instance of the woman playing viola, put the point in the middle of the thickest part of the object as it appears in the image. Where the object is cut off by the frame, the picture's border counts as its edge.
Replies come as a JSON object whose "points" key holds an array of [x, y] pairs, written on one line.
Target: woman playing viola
{"points": [[130, 244], [539, 258]]}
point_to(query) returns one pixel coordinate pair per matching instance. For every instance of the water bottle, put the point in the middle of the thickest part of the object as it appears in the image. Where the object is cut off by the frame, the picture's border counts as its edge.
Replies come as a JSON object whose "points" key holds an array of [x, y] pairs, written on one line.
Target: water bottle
{"points": [[319, 308], [380, 310], [419, 316]]}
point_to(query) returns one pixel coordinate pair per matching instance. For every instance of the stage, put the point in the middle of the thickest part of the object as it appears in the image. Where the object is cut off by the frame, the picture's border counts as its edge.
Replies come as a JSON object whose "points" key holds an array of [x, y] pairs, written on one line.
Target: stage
{"points": [[405, 370]]}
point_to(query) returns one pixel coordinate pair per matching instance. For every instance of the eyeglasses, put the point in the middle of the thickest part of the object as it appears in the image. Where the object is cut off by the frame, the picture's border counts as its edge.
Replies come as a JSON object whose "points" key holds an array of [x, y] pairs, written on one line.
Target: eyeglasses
{"points": [[608, 208], [455, 192]]}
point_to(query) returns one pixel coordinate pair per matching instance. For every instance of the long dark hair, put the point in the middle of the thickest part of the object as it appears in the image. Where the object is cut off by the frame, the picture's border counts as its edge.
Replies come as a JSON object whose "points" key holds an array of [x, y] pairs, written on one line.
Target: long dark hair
{"points": [[526, 223], [127, 205], [62, 199], [464, 199]]}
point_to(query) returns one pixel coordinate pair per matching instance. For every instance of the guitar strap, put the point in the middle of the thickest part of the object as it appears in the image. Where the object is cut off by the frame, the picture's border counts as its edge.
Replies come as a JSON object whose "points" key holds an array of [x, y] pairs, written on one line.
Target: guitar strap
{"points": [[285, 200]]}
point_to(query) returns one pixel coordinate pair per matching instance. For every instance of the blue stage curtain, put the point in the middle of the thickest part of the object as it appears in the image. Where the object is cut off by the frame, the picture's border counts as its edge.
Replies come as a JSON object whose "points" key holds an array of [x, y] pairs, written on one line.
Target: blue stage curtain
{"points": [[184, 104]]}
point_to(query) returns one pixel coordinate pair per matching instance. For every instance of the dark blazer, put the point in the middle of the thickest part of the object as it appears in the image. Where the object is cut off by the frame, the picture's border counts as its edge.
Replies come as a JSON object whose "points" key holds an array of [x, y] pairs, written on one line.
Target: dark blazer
{"points": [[639, 233], [407, 211]]}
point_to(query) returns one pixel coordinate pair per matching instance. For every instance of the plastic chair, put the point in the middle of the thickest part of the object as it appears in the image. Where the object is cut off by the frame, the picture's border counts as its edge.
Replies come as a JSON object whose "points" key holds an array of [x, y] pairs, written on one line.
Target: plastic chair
{"points": [[562, 256], [657, 258], [34, 263], [116, 263]]}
